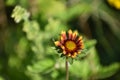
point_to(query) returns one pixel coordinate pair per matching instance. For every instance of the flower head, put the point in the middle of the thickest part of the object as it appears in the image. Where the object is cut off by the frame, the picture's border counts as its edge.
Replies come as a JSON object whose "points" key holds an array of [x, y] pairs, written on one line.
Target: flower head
{"points": [[70, 44], [114, 3]]}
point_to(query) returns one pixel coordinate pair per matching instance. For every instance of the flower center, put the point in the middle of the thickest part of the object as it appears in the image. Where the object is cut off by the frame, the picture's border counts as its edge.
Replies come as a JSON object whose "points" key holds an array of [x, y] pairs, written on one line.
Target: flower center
{"points": [[70, 45]]}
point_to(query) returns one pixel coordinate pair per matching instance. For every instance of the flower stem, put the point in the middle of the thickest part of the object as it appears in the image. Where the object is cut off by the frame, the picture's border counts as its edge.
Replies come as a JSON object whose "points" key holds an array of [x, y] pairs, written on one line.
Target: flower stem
{"points": [[67, 72]]}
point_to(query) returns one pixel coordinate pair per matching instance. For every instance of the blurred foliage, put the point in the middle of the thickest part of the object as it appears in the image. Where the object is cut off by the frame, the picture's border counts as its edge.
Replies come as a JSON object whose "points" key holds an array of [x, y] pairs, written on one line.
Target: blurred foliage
{"points": [[28, 54]]}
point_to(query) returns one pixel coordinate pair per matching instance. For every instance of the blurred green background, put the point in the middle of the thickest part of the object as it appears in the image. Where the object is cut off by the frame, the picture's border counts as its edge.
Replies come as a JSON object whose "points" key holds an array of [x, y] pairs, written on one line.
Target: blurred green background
{"points": [[26, 34]]}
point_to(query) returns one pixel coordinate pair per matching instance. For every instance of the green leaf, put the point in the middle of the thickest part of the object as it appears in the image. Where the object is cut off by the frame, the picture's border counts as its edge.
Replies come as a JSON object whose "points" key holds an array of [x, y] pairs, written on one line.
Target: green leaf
{"points": [[74, 11], [19, 14], [41, 66], [108, 71], [54, 74], [1, 78], [62, 55], [32, 29]]}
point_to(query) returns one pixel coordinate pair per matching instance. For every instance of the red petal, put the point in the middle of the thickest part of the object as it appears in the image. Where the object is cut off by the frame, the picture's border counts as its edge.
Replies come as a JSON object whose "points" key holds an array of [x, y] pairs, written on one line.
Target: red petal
{"points": [[63, 37], [57, 43], [63, 34], [70, 34], [74, 35], [79, 39]]}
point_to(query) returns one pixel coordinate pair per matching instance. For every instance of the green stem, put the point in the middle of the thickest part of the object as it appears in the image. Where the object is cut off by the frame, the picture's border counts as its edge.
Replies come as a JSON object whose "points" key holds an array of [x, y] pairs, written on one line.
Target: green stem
{"points": [[67, 72]]}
